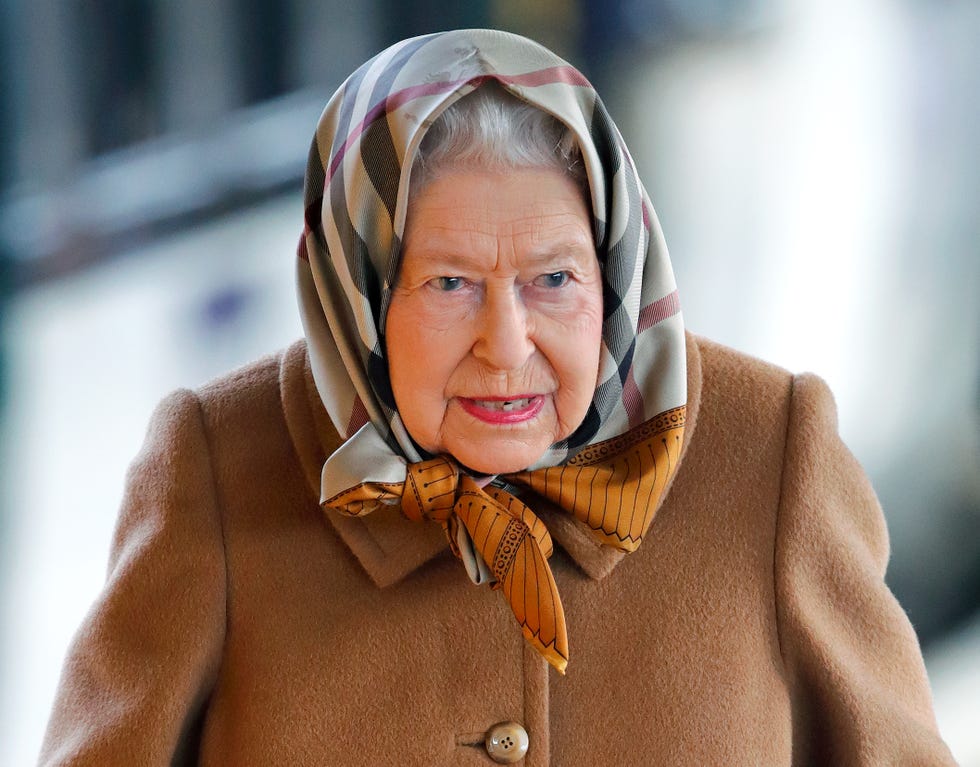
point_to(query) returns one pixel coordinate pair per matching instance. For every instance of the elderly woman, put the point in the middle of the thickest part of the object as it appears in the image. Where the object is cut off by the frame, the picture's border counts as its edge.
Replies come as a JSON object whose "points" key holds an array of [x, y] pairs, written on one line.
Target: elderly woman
{"points": [[495, 383]]}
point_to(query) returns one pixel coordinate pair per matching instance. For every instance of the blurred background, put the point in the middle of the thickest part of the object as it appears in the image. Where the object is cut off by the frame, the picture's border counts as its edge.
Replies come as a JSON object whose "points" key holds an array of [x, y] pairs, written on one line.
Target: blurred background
{"points": [[813, 164]]}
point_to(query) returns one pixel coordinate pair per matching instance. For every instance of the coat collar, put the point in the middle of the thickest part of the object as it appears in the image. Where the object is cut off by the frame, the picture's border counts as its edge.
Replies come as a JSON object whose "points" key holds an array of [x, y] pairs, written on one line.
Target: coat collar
{"points": [[389, 546]]}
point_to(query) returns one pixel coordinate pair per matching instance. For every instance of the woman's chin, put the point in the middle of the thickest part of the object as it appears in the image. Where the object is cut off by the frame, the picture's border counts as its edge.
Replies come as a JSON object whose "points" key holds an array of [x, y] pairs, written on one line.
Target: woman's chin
{"points": [[500, 459], [488, 448]]}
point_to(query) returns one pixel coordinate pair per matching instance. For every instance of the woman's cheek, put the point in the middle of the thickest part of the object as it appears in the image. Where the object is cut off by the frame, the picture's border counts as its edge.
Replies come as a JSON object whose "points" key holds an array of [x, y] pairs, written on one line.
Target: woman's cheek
{"points": [[579, 320], [442, 312], [575, 299]]}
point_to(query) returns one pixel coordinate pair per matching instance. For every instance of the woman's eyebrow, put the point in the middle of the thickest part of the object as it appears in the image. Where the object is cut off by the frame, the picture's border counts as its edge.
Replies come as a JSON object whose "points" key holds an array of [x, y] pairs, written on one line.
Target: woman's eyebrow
{"points": [[442, 259], [555, 256], [569, 248], [450, 251]]}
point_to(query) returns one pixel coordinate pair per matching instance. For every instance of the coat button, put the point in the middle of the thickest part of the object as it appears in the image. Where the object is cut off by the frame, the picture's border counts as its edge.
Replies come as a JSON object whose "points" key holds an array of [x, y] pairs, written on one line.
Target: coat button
{"points": [[507, 742]]}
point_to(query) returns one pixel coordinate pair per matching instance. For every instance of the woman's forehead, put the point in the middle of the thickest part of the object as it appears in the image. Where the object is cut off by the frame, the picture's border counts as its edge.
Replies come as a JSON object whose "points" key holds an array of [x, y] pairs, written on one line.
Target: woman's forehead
{"points": [[541, 212]]}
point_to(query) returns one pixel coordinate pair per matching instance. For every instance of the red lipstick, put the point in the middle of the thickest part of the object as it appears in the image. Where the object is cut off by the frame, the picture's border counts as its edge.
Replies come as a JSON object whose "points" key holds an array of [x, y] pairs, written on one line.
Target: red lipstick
{"points": [[503, 410]]}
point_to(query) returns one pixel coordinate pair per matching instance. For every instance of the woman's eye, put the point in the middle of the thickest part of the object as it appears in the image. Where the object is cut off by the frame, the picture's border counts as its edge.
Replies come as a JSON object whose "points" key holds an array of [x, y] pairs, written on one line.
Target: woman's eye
{"points": [[553, 280], [448, 283]]}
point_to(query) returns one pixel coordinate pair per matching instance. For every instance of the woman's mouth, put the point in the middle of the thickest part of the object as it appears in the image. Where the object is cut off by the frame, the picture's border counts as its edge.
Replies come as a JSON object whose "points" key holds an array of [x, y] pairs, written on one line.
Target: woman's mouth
{"points": [[503, 410]]}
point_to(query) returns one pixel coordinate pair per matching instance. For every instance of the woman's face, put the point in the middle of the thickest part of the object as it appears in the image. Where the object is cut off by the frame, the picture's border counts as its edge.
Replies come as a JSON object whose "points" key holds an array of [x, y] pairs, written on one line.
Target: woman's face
{"points": [[494, 328]]}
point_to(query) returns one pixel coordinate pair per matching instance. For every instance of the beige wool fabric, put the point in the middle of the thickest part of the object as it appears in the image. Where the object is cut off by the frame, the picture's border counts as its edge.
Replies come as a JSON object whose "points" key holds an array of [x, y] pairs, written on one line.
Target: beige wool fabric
{"points": [[239, 626]]}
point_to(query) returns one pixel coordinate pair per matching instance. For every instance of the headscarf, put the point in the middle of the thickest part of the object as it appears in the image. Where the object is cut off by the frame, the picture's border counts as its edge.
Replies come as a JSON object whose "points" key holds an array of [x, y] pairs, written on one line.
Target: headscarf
{"points": [[356, 197]]}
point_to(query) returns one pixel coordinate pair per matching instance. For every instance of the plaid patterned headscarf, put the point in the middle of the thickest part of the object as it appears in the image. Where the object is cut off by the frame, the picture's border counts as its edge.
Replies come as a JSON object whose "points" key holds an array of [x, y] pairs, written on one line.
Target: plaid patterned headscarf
{"points": [[356, 194]]}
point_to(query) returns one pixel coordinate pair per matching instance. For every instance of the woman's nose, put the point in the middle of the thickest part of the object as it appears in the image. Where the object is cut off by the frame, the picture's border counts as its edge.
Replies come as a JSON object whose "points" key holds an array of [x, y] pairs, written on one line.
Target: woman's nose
{"points": [[503, 333]]}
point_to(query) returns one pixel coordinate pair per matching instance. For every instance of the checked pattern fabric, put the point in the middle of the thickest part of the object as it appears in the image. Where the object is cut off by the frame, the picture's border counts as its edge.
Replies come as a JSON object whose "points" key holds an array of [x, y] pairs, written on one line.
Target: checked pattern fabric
{"points": [[356, 198], [614, 488]]}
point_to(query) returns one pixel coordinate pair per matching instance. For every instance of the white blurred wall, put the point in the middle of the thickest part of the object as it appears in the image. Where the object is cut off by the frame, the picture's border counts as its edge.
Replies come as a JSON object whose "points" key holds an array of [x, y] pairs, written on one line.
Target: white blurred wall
{"points": [[89, 356]]}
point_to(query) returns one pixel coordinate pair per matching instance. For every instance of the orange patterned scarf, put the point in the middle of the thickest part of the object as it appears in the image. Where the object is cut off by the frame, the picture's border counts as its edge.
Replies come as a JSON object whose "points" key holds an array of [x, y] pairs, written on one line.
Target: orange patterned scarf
{"points": [[613, 487]]}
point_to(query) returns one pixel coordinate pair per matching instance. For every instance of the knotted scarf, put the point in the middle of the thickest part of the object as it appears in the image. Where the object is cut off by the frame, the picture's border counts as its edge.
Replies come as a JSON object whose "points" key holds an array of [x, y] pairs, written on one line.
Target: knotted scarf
{"points": [[613, 488], [611, 472]]}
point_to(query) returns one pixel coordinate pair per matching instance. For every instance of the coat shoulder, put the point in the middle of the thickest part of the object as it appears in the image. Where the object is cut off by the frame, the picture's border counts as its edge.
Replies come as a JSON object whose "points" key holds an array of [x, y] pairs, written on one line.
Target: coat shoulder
{"points": [[719, 360], [244, 412], [246, 383], [734, 380], [255, 393]]}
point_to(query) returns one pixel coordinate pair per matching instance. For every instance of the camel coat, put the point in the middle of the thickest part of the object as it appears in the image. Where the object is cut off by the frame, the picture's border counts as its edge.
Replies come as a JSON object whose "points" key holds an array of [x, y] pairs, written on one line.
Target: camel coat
{"points": [[241, 626]]}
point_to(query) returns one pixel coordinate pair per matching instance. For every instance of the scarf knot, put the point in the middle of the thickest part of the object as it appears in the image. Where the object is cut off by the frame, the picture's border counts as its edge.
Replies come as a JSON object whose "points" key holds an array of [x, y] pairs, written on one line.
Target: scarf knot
{"points": [[614, 488], [430, 490]]}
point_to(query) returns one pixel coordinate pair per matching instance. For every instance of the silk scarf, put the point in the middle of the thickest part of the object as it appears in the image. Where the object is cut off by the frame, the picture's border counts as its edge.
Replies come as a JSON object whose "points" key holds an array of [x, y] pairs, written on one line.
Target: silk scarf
{"points": [[356, 197]]}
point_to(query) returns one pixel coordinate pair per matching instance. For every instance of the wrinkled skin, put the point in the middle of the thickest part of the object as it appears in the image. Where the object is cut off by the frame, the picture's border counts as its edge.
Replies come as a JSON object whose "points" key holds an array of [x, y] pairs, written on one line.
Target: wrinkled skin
{"points": [[494, 328]]}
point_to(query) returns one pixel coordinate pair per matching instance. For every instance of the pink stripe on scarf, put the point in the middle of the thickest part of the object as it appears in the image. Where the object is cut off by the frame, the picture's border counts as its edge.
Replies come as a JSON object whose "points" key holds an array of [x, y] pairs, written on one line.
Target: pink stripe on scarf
{"points": [[658, 311], [563, 74]]}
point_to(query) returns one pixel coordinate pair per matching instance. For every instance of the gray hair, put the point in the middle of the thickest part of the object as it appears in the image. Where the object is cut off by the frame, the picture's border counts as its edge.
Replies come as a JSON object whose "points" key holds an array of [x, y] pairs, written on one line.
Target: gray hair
{"points": [[489, 129]]}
